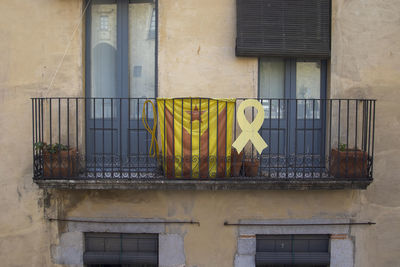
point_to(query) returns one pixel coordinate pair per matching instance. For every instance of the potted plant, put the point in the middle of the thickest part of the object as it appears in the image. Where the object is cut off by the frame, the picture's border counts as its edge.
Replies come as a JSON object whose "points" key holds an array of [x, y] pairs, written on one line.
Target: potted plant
{"points": [[348, 162], [58, 159], [236, 162], [251, 166]]}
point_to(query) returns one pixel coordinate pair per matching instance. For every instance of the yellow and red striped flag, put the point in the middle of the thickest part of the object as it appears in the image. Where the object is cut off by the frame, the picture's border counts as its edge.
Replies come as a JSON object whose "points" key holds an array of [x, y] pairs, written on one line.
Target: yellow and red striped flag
{"points": [[196, 136]]}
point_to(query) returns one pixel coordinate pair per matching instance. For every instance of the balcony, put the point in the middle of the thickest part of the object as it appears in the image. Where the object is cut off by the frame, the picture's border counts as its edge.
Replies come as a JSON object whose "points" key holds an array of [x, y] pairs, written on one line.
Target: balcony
{"points": [[186, 144]]}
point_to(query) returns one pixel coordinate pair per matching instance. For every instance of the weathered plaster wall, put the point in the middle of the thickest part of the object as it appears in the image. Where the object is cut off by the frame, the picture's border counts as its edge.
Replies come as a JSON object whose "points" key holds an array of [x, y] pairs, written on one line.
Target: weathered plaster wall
{"points": [[366, 63], [196, 58], [197, 51], [33, 37], [211, 244]]}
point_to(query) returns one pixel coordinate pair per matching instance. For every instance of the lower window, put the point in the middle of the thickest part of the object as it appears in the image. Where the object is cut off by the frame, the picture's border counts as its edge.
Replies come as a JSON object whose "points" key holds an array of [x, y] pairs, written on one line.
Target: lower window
{"points": [[292, 250], [120, 250]]}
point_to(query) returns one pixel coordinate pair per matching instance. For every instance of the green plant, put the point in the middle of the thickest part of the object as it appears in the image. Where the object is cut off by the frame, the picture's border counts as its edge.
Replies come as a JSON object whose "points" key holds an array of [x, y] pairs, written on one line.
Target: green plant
{"points": [[52, 149], [342, 147]]}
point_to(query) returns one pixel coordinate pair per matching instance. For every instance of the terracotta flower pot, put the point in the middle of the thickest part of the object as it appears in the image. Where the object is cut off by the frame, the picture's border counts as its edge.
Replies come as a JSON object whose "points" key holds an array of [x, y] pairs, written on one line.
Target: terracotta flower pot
{"points": [[349, 163], [61, 164], [251, 167], [236, 163]]}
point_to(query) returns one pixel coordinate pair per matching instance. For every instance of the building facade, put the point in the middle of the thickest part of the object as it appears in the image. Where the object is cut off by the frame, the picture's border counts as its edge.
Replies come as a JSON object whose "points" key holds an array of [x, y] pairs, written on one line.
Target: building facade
{"points": [[78, 73]]}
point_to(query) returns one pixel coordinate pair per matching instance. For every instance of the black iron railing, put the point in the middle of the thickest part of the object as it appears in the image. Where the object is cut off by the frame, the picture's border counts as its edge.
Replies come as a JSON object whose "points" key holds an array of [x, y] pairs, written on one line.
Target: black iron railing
{"points": [[96, 138]]}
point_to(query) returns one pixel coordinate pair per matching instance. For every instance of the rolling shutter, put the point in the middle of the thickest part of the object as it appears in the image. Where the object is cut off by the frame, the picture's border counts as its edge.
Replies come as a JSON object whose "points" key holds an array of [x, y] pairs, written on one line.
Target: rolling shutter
{"points": [[289, 28], [293, 250], [114, 248]]}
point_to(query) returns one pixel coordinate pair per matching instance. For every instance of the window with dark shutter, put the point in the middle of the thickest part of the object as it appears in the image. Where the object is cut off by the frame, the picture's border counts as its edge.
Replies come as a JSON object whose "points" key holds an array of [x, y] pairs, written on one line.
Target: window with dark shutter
{"points": [[114, 249], [292, 250], [288, 28]]}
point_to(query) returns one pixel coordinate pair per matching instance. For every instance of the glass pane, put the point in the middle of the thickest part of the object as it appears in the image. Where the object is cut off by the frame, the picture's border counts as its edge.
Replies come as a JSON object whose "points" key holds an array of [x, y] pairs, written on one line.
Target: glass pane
{"points": [[103, 55], [308, 86], [272, 85], [142, 32]]}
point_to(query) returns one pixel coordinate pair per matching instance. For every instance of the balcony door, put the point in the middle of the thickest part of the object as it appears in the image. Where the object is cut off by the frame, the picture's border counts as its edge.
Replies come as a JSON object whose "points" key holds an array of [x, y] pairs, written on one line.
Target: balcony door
{"points": [[120, 74], [291, 91]]}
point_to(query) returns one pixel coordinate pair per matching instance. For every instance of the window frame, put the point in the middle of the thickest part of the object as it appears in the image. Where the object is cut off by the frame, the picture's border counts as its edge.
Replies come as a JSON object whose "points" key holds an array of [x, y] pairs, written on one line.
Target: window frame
{"points": [[99, 257], [122, 66], [290, 120], [291, 239], [290, 76]]}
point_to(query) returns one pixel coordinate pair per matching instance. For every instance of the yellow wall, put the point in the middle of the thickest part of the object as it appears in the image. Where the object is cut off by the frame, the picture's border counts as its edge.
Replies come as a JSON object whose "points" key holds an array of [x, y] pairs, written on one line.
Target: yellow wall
{"points": [[196, 57]]}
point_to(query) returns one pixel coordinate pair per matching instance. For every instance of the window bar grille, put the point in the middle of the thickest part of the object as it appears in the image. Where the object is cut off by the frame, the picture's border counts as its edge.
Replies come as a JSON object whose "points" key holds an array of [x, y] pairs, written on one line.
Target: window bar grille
{"points": [[35, 132], [102, 137], [173, 138], [347, 139], [322, 118], [120, 136], [182, 155], [42, 133], [75, 157], [355, 134], [304, 137], [208, 147], [191, 138], [279, 144], [39, 136], [364, 137], [369, 131], [353, 122], [287, 110], [338, 161], [68, 145], [33, 137], [51, 131], [112, 138], [137, 138], [312, 138], [86, 137], [373, 138], [330, 137], [295, 138], [270, 137], [147, 138], [36, 136], [165, 170], [226, 139], [94, 138], [199, 116], [59, 137], [42, 127], [129, 137], [252, 146]]}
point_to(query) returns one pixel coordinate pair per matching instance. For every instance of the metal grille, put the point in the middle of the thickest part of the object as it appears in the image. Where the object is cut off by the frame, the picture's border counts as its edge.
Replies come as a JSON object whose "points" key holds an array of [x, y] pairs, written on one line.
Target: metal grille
{"points": [[114, 249], [297, 28], [292, 250], [325, 139]]}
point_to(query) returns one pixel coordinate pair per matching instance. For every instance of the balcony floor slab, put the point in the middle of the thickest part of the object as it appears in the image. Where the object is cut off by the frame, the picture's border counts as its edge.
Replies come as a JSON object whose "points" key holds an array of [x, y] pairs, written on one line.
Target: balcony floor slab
{"points": [[253, 183]]}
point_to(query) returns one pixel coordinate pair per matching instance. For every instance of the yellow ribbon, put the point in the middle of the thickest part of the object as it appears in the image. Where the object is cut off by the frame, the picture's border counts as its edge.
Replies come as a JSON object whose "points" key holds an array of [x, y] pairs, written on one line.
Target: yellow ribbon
{"points": [[250, 131], [153, 152]]}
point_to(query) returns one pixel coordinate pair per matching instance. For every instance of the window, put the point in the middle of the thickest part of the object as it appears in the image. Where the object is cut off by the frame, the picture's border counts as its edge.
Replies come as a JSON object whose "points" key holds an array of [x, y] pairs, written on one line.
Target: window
{"points": [[104, 24], [120, 35], [292, 91], [121, 38], [292, 250], [152, 28], [299, 28], [125, 250]]}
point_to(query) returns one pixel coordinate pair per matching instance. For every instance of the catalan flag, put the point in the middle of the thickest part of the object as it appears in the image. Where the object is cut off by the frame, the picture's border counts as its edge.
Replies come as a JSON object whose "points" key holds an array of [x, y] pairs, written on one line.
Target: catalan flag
{"points": [[196, 136]]}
